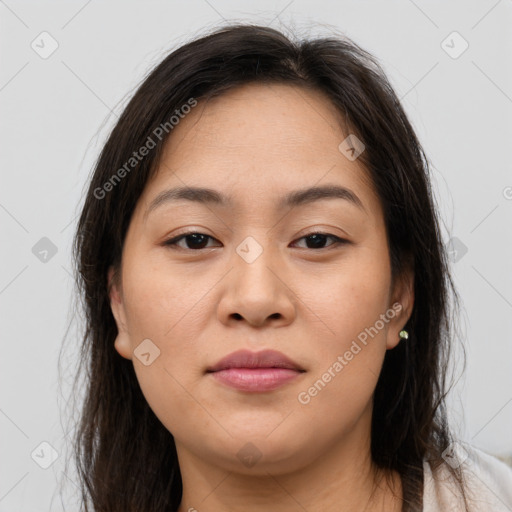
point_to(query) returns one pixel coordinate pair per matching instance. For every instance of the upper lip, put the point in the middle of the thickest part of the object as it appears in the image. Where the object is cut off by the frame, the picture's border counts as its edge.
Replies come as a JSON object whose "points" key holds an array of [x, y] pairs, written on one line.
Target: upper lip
{"points": [[248, 359]]}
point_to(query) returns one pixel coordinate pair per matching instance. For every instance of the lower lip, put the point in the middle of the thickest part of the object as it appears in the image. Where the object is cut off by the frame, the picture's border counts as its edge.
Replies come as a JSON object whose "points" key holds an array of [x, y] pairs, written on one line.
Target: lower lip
{"points": [[256, 379]]}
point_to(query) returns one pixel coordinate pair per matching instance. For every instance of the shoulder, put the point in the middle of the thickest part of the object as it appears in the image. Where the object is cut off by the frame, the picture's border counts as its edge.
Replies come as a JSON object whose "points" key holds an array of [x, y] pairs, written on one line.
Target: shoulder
{"points": [[488, 482]]}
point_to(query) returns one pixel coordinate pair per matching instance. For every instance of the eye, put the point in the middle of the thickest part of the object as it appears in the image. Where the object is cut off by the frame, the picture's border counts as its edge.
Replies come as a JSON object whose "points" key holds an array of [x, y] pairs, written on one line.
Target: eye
{"points": [[197, 241], [193, 240], [317, 240]]}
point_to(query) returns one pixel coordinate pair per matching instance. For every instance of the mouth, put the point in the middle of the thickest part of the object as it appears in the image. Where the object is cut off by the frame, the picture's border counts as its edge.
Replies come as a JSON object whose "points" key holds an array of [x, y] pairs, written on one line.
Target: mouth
{"points": [[255, 371]]}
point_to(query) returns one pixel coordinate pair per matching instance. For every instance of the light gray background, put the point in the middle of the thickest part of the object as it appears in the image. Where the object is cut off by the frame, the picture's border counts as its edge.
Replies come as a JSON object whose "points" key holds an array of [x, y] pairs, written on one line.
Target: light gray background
{"points": [[56, 112]]}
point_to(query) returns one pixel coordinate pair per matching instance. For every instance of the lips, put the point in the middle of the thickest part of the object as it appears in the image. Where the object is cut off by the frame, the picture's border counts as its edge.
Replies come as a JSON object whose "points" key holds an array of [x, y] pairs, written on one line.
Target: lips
{"points": [[252, 360], [255, 372]]}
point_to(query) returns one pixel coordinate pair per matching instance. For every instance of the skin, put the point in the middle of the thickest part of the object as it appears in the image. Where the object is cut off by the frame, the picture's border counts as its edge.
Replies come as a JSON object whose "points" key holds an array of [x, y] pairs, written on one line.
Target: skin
{"points": [[256, 143]]}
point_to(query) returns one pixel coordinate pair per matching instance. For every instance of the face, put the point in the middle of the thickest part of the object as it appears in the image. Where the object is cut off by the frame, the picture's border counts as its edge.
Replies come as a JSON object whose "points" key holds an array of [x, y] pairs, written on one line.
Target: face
{"points": [[308, 277]]}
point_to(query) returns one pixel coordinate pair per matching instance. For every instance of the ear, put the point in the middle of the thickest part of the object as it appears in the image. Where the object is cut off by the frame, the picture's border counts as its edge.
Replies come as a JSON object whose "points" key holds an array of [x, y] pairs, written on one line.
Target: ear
{"points": [[402, 302], [122, 343]]}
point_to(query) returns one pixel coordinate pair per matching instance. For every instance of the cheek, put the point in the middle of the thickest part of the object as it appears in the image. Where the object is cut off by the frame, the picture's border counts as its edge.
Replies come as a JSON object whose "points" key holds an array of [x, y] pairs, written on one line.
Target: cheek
{"points": [[165, 307], [350, 353], [350, 299], [162, 300], [348, 362]]}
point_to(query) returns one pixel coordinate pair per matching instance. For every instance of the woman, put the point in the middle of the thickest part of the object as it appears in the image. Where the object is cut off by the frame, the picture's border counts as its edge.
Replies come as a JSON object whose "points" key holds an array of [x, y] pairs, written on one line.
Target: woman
{"points": [[266, 292]]}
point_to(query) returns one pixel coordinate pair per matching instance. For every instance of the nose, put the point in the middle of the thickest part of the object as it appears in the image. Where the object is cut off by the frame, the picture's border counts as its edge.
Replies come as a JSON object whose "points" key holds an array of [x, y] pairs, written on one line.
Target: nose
{"points": [[258, 291]]}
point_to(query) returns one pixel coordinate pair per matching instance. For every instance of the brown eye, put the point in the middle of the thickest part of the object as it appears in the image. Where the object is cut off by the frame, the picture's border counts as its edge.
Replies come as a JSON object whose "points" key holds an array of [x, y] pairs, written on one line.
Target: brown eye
{"points": [[197, 241], [318, 240], [193, 241]]}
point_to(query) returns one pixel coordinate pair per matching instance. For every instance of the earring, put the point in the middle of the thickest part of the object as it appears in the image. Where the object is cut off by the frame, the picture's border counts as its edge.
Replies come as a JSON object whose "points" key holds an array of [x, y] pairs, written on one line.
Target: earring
{"points": [[404, 335]]}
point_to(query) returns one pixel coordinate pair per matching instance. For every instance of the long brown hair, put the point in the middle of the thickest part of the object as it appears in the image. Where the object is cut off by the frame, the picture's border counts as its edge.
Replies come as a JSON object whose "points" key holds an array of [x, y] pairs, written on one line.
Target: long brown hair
{"points": [[126, 459]]}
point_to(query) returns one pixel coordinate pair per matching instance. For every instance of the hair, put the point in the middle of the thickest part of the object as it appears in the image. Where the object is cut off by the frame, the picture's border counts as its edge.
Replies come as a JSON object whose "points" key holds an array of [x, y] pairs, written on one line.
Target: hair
{"points": [[126, 458]]}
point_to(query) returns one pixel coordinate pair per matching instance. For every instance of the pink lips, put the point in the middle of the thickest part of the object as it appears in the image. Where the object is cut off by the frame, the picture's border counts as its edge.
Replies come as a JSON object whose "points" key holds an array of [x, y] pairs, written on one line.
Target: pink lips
{"points": [[255, 371]]}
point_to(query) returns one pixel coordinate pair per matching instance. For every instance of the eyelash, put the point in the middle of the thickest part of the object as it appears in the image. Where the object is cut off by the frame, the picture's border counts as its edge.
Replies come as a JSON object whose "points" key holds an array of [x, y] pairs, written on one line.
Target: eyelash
{"points": [[172, 243]]}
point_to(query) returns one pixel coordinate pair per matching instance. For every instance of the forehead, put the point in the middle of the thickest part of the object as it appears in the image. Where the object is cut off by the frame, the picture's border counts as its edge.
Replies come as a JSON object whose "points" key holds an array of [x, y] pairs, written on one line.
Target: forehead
{"points": [[259, 141]]}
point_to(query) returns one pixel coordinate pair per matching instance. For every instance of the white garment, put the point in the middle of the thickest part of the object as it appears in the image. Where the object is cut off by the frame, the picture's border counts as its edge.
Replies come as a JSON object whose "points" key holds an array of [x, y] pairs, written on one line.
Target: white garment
{"points": [[488, 483]]}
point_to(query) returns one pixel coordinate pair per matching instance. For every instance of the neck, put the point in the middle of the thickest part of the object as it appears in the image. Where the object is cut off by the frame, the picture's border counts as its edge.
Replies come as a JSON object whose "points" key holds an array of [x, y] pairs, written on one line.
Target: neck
{"points": [[342, 478]]}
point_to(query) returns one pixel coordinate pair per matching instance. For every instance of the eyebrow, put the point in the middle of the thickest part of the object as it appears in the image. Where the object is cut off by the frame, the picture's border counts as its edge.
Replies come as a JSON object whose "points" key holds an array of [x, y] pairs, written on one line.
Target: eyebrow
{"points": [[292, 199]]}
